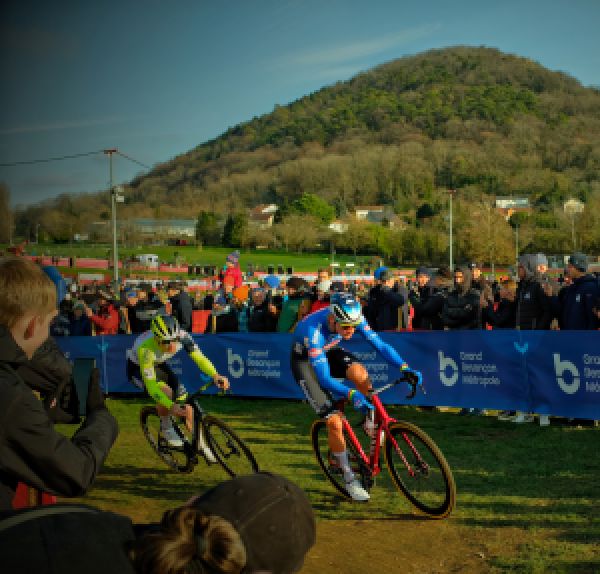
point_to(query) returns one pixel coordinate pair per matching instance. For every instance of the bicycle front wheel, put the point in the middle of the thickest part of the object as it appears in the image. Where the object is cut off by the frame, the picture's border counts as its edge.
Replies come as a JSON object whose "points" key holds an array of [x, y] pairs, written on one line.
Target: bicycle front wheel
{"points": [[230, 450], [419, 470], [179, 458]]}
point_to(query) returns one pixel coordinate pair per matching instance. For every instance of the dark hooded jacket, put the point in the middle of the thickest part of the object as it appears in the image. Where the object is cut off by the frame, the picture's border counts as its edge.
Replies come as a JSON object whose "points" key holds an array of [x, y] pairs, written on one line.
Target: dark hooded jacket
{"points": [[461, 308], [428, 303], [533, 305], [182, 309], [576, 303], [31, 451], [383, 304]]}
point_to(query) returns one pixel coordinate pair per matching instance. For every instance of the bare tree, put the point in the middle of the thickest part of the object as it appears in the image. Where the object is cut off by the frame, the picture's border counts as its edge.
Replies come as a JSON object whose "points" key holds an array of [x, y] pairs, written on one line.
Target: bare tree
{"points": [[6, 215]]}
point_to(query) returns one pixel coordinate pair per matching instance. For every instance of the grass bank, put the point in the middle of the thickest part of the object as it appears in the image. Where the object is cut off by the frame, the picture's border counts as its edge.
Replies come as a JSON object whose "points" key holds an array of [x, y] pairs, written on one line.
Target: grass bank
{"points": [[543, 480]]}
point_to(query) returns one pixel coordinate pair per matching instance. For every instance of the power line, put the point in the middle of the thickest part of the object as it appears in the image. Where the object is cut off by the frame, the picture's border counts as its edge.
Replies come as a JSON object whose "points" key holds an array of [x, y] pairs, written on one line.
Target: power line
{"points": [[49, 159], [133, 160], [63, 157]]}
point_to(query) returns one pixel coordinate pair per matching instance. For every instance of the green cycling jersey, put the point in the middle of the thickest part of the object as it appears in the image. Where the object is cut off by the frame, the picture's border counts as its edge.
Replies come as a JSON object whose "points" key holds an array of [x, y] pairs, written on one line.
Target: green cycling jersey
{"points": [[146, 352]]}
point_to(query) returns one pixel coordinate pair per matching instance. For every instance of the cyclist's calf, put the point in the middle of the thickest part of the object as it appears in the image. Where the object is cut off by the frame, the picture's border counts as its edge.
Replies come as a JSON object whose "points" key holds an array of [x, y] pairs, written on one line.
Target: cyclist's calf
{"points": [[335, 434]]}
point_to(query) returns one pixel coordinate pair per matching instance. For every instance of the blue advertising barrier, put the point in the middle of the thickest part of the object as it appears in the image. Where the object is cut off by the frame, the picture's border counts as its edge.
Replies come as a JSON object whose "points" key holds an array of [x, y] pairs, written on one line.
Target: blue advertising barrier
{"points": [[546, 372]]}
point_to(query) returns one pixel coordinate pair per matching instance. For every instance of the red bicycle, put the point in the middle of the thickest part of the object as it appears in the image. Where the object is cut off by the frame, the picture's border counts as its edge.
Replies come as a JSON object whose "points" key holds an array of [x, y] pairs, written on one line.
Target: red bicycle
{"points": [[416, 464]]}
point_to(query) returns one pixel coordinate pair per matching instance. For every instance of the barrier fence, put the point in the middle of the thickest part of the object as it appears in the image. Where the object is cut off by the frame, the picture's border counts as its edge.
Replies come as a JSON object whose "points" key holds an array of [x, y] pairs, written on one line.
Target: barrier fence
{"points": [[546, 372]]}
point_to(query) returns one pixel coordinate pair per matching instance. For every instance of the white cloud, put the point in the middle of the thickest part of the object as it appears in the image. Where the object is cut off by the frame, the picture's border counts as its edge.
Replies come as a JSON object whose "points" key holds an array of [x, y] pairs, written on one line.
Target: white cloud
{"points": [[339, 55], [58, 125]]}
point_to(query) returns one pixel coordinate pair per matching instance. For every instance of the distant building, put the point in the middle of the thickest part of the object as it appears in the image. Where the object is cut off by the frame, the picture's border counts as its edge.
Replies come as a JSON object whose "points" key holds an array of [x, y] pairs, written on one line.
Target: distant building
{"points": [[164, 228], [509, 205], [382, 214], [263, 215], [573, 206], [338, 226]]}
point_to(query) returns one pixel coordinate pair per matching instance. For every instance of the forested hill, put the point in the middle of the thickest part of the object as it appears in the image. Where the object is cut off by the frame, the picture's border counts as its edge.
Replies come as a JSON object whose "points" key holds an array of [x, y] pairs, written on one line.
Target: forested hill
{"points": [[475, 119], [470, 118]]}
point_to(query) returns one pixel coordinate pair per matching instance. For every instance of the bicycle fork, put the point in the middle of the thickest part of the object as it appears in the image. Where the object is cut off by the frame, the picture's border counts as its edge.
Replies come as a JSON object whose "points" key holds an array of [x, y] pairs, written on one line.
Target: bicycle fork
{"points": [[419, 462]]}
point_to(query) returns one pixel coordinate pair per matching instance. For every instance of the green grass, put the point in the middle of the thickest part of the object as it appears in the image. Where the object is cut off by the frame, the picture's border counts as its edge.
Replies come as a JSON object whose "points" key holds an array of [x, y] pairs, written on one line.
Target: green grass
{"points": [[508, 476], [203, 255]]}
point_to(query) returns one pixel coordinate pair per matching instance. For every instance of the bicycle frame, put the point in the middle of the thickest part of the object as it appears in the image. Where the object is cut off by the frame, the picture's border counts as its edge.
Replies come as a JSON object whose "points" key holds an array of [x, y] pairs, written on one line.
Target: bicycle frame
{"points": [[382, 422]]}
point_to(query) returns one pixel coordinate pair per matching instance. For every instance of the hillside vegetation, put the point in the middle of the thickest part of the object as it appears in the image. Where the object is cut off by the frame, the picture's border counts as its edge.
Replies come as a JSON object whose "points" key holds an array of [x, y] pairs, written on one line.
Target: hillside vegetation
{"points": [[472, 119]]}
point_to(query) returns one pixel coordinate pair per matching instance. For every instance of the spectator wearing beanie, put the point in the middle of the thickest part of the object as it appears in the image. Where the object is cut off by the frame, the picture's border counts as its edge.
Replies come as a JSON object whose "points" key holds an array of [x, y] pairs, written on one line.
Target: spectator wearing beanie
{"points": [[384, 302], [232, 269], [262, 314]]}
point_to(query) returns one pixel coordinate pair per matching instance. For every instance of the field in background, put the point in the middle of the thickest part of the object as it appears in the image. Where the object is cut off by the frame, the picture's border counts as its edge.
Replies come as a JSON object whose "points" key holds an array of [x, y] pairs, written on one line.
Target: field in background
{"points": [[528, 498], [204, 255]]}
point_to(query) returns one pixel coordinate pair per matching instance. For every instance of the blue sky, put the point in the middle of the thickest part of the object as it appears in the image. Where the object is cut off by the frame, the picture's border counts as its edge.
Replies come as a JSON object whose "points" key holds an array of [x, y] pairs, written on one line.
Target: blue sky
{"points": [[155, 78]]}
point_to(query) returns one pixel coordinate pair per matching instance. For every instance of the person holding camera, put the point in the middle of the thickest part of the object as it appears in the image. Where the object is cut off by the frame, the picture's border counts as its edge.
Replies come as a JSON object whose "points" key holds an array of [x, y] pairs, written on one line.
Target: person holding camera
{"points": [[31, 451]]}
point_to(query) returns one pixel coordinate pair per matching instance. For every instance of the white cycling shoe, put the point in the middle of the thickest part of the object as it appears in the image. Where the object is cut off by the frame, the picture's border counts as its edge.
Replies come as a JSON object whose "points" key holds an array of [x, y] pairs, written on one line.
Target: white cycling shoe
{"points": [[356, 491], [172, 438], [205, 449]]}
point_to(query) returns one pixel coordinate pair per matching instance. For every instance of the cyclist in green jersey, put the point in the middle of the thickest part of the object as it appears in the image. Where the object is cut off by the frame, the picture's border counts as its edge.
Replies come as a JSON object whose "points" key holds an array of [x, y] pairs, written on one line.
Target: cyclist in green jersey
{"points": [[147, 369]]}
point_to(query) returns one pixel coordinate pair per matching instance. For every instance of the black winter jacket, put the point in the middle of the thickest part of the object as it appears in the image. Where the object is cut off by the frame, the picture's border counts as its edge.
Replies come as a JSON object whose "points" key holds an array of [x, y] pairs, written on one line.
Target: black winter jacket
{"points": [[65, 539], [534, 310], [576, 303], [533, 306], [182, 310], [31, 451], [504, 317], [383, 304], [49, 372]]}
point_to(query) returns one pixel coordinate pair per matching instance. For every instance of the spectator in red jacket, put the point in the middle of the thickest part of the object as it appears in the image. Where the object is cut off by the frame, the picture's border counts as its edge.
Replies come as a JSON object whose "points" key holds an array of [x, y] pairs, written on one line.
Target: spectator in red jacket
{"points": [[106, 320], [232, 269]]}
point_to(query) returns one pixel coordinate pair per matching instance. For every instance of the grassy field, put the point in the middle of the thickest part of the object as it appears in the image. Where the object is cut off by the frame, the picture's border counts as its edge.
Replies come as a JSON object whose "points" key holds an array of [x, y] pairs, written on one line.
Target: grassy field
{"points": [[509, 478], [204, 255]]}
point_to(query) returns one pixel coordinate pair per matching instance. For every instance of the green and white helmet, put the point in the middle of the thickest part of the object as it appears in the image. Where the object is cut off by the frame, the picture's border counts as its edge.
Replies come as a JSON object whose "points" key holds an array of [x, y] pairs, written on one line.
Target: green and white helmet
{"points": [[165, 328]]}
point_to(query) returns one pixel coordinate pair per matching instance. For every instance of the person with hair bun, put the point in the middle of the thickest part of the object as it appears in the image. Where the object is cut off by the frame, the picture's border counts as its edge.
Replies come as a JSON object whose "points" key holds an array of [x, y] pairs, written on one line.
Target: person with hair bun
{"points": [[256, 523], [189, 541]]}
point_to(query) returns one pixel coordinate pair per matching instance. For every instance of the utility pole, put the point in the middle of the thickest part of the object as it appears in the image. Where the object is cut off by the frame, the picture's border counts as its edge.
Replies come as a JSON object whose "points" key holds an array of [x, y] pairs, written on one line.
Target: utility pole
{"points": [[451, 192], [110, 153], [517, 243]]}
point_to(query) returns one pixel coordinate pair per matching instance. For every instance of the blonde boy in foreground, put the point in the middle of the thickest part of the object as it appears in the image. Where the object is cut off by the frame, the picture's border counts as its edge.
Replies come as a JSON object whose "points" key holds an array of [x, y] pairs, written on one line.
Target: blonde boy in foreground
{"points": [[31, 451]]}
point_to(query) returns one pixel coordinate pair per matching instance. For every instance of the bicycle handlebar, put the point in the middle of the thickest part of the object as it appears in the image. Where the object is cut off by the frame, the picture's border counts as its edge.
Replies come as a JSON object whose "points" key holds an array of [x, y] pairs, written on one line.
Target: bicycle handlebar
{"points": [[406, 377]]}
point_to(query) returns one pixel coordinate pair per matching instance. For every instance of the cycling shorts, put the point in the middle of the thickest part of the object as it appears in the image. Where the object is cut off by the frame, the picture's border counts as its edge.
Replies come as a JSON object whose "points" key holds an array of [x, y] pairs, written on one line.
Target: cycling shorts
{"points": [[163, 372], [318, 398]]}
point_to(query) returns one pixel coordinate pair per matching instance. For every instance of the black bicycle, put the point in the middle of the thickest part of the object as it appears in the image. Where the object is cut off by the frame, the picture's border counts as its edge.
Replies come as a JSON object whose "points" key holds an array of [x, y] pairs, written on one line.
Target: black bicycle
{"points": [[228, 448]]}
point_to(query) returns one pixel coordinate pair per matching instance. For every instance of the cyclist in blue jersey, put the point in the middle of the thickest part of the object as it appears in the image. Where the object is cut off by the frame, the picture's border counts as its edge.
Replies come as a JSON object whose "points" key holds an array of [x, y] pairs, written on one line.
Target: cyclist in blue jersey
{"points": [[318, 363]]}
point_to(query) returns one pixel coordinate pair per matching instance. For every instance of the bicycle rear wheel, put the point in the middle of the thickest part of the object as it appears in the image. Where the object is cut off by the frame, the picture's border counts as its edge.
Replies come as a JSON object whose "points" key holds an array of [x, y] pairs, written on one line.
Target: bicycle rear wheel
{"points": [[182, 459], [230, 450], [330, 466], [419, 470]]}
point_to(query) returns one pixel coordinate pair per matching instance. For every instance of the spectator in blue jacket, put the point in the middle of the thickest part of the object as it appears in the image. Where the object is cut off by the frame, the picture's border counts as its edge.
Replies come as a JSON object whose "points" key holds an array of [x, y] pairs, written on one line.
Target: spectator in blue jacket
{"points": [[576, 302], [79, 323]]}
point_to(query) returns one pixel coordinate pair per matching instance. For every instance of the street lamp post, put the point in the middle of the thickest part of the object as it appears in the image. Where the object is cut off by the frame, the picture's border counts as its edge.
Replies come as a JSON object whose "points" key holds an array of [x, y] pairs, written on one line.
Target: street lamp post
{"points": [[517, 243], [451, 192], [110, 153]]}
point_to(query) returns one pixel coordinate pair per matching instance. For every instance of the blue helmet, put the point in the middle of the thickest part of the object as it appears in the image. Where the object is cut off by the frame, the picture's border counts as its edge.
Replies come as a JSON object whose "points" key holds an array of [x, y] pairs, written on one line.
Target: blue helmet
{"points": [[346, 309]]}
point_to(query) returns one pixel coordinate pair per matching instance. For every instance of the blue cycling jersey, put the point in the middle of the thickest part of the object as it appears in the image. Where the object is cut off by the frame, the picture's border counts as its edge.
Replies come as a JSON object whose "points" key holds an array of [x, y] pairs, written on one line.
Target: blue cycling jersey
{"points": [[313, 335]]}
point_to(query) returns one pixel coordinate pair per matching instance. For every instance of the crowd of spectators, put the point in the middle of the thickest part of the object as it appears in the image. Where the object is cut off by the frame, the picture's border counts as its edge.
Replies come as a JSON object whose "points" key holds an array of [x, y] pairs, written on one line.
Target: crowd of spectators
{"points": [[435, 299]]}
